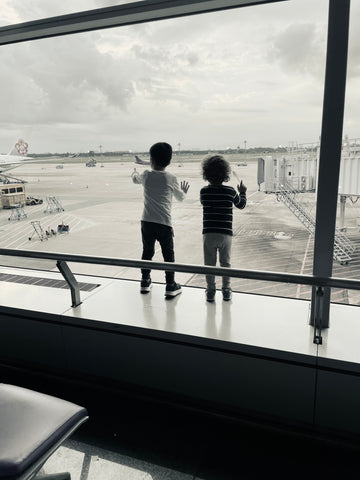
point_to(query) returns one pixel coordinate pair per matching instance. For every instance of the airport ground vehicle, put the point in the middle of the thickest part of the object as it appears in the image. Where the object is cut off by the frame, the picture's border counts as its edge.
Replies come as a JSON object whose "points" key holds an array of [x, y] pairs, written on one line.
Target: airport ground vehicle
{"points": [[12, 194], [33, 200]]}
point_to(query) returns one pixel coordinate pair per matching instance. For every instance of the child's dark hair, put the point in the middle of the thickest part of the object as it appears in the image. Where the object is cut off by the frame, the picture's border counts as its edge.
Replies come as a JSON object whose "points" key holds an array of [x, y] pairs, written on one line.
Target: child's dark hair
{"points": [[216, 169], [161, 154]]}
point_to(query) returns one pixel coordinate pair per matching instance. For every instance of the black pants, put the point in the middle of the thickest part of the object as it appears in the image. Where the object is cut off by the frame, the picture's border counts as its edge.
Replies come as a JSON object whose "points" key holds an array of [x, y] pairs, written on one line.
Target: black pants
{"points": [[150, 232]]}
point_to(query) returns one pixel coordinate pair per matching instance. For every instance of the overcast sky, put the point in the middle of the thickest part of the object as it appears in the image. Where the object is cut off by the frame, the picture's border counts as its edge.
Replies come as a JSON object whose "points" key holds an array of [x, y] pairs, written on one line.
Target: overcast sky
{"points": [[218, 80]]}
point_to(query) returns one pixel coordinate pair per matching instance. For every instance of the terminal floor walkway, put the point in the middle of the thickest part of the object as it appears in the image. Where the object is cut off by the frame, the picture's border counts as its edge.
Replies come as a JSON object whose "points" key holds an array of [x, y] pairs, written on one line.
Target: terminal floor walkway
{"points": [[135, 440]]}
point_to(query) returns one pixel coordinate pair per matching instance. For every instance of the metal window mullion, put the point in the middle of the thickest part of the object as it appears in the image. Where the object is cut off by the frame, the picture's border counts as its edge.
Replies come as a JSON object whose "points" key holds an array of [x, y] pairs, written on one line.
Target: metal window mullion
{"points": [[116, 16], [330, 151]]}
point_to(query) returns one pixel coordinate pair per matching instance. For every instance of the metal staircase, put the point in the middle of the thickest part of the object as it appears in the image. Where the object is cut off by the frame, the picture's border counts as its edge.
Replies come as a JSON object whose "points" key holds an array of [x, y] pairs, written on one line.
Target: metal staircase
{"points": [[343, 247], [17, 213], [53, 205], [38, 230]]}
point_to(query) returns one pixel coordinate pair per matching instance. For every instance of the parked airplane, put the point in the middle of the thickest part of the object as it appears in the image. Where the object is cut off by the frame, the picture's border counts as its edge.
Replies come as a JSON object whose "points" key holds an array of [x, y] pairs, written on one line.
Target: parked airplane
{"points": [[141, 162], [18, 156]]}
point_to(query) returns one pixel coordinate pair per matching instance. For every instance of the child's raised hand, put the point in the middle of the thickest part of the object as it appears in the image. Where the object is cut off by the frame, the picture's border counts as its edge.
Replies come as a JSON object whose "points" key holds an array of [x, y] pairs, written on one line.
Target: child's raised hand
{"points": [[241, 188], [184, 186]]}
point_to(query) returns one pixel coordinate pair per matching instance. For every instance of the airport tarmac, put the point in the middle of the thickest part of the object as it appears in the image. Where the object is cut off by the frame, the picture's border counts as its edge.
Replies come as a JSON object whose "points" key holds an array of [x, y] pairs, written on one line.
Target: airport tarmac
{"points": [[103, 210]]}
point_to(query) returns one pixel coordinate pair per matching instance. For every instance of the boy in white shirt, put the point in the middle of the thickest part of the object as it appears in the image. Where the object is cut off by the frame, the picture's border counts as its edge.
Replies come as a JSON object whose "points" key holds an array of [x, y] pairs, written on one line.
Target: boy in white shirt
{"points": [[159, 189]]}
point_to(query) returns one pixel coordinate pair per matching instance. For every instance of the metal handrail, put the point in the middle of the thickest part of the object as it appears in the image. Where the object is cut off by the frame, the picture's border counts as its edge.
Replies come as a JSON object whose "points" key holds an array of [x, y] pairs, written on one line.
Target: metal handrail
{"points": [[269, 276]]}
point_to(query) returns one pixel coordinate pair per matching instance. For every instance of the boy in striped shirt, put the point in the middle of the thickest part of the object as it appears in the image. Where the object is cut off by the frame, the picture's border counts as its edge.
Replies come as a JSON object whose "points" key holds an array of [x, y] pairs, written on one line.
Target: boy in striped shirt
{"points": [[217, 201]]}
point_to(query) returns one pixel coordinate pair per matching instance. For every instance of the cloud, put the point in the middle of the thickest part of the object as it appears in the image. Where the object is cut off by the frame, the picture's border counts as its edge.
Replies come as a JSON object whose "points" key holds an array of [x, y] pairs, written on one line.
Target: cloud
{"points": [[254, 73], [66, 75], [354, 43], [300, 49], [19, 10]]}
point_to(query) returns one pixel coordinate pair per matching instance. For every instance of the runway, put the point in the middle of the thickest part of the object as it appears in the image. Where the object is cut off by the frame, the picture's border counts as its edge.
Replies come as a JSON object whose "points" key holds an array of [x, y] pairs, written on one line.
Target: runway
{"points": [[103, 210]]}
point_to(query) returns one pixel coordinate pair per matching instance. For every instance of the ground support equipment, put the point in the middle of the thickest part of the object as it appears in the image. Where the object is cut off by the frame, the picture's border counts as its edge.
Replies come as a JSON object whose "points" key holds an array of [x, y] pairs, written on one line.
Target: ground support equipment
{"points": [[17, 213], [38, 230], [53, 205]]}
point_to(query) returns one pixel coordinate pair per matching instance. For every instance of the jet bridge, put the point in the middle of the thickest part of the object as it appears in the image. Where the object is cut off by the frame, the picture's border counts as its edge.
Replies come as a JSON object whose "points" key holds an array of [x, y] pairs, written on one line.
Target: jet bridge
{"points": [[299, 168], [299, 171], [296, 173]]}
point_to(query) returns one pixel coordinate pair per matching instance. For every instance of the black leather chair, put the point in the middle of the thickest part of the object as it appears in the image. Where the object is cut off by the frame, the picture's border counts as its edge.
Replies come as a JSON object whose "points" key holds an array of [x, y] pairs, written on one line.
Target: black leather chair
{"points": [[32, 426]]}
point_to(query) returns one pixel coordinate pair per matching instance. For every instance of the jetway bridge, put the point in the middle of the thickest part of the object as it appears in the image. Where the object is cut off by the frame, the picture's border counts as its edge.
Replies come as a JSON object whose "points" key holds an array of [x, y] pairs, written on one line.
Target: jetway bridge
{"points": [[290, 175]]}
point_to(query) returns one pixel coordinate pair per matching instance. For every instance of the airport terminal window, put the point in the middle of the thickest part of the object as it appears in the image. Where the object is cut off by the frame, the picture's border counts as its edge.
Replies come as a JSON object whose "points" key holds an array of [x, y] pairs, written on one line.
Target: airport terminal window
{"points": [[348, 216], [203, 94]]}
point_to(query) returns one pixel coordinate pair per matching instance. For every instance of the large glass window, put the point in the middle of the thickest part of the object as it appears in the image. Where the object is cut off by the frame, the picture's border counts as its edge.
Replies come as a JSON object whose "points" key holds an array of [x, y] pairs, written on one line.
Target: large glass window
{"points": [[246, 83], [347, 241]]}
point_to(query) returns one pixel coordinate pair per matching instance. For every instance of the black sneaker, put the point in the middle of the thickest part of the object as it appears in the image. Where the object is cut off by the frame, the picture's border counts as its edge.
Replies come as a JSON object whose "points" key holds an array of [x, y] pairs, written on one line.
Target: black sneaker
{"points": [[173, 290], [145, 285], [226, 294], [210, 294]]}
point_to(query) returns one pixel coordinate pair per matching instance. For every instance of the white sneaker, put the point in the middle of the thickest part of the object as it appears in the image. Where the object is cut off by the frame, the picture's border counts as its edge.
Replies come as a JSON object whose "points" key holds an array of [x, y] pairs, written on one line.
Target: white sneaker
{"points": [[173, 290]]}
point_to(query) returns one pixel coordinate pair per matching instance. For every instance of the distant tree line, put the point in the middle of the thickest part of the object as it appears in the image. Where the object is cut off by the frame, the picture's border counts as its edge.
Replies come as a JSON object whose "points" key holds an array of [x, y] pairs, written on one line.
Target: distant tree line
{"points": [[227, 151]]}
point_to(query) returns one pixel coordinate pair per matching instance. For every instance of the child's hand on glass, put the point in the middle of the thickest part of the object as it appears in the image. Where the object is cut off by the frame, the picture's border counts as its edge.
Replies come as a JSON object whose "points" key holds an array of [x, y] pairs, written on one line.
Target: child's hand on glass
{"points": [[184, 186], [241, 188]]}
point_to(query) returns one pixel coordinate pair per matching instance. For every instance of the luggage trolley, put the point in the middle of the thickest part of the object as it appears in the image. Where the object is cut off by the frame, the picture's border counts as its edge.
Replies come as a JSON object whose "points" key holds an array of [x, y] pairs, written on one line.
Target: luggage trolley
{"points": [[38, 230]]}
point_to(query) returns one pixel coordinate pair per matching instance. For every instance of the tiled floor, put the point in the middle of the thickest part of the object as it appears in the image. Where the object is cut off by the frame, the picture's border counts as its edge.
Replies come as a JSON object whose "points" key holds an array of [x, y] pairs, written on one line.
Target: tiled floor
{"points": [[85, 461]]}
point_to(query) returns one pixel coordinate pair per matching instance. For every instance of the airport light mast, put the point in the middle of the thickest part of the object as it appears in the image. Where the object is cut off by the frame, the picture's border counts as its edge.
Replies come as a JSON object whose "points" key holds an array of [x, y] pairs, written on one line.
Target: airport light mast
{"points": [[178, 155], [101, 158]]}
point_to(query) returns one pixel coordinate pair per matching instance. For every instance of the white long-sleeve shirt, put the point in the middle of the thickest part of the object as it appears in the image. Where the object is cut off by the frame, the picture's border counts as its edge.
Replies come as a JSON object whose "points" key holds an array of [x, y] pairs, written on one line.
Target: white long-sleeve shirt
{"points": [[159, 189]]}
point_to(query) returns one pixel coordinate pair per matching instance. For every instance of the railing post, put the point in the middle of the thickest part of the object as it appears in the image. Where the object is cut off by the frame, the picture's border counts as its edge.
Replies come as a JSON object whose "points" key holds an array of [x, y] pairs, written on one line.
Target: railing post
{"points": [[71, 281], [319, 313]]}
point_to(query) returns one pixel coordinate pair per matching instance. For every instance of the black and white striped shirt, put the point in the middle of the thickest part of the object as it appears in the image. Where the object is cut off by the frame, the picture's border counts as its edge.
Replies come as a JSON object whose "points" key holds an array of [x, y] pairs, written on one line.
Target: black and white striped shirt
{"points": [[217, 202]]}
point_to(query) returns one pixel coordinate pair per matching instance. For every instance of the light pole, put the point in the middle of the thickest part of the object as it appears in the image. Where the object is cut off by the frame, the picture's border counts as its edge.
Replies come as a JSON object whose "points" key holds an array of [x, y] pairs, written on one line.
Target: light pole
{"points": [[100, 147], [178, 154]]}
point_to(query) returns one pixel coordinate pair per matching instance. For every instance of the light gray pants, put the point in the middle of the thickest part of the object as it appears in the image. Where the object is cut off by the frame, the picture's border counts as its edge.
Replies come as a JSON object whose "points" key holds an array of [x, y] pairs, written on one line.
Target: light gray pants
{"points": [[213, 243]]}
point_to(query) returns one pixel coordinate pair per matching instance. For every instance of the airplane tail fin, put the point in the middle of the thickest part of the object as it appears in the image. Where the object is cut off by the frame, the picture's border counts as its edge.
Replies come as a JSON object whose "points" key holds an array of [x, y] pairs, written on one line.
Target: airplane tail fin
{"points": [[20, 148]]}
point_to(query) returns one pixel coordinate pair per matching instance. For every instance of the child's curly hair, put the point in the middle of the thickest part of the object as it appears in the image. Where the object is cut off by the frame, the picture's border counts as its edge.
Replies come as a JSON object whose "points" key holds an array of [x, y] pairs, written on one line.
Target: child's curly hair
{"points": [[216, 169]]}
